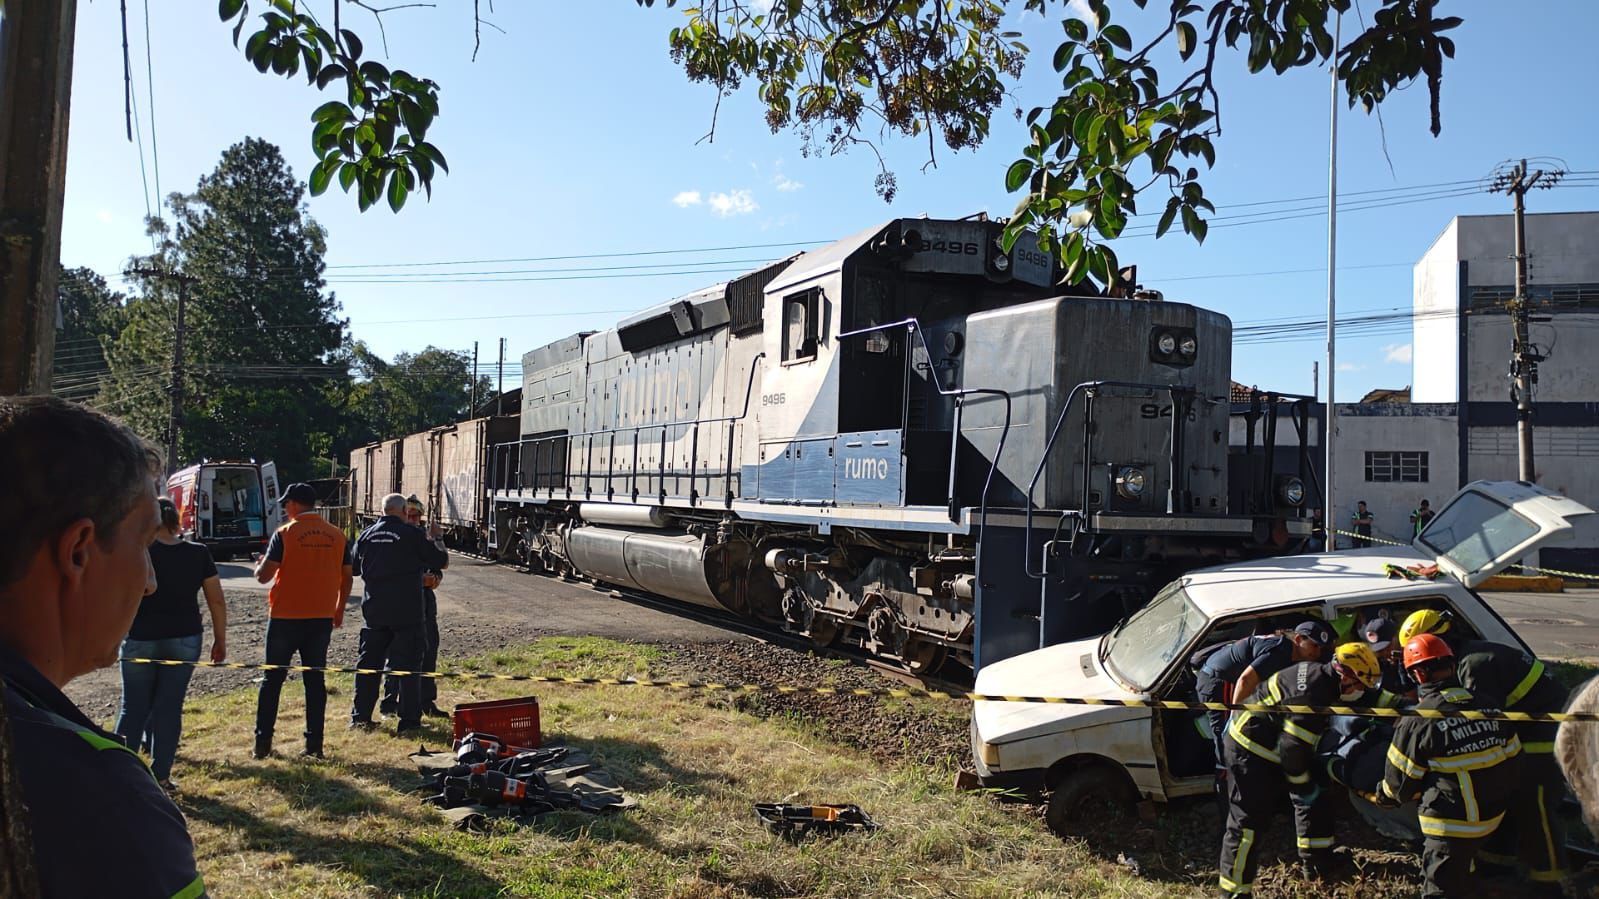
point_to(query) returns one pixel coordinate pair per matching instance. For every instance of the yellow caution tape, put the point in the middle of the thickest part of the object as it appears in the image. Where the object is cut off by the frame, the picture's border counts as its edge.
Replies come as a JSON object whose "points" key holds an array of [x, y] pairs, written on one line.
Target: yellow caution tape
{"points": [[906, 693]]}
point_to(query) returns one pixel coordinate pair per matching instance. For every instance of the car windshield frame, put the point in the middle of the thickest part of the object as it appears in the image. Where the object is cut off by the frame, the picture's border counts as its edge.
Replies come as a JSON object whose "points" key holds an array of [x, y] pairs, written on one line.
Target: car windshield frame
{"points": [[1496, 531], [1171, 608]]}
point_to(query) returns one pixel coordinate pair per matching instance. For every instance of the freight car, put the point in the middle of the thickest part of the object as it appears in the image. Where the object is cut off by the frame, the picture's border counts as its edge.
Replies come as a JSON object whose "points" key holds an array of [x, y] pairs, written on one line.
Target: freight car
{"points": [[445, 467], [907, 441]]}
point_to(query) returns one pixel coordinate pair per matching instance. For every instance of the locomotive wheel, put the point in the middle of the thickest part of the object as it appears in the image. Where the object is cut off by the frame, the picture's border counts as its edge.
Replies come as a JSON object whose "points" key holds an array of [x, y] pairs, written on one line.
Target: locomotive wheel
{"points": [[923, 657]]}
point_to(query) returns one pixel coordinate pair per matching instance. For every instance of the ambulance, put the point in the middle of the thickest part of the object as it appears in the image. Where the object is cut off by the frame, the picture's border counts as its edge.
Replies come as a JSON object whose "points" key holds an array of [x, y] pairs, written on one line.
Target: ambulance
{"points": [[228, 506]]}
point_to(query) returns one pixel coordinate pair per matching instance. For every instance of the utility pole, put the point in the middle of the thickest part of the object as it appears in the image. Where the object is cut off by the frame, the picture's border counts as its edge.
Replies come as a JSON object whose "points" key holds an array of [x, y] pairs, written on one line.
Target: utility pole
{"points": [[36, 42], [1329, 512], [472, 385], [499, 396], [1524, 358], [175, 389]]}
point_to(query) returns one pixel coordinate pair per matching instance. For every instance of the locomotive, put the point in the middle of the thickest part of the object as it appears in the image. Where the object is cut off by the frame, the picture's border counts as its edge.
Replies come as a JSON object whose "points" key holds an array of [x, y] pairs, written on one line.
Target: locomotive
{"points": [[908, 441]]}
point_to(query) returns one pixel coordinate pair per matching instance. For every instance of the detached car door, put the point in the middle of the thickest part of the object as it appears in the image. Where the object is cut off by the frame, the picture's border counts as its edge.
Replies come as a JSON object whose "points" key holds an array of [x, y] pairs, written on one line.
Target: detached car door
{"points": [[1489, 525]]}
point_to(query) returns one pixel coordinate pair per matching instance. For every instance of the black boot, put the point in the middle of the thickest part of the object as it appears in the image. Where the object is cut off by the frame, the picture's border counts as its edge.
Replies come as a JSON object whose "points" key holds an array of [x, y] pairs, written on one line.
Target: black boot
{"points": [[313, 746], [263, 746]]}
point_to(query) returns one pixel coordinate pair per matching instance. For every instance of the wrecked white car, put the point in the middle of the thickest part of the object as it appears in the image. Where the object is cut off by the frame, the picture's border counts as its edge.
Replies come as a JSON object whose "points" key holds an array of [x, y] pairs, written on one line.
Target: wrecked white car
{"points": [[1085, 756]]}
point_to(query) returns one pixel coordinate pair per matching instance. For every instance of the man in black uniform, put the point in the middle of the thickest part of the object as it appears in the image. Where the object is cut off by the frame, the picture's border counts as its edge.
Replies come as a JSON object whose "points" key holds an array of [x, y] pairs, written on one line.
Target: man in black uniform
{"points": [[1244, 663], [1270, 752], [391, 557], [428, 689], [1509, 678], [1464, 770], [80, 509]]}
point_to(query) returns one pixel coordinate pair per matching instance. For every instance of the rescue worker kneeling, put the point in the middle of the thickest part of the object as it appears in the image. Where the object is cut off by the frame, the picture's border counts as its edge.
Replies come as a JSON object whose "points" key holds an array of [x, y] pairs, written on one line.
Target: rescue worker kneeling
{"points": [[1463, 769], [1510, 678], [1267, 752]]}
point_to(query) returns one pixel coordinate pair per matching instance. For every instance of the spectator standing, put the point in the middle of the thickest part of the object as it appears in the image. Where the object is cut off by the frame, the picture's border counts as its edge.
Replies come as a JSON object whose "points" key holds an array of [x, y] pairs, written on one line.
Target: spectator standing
{"points": [[307, 563], [168, 626], [391, 557], [80, 511], [1362, 521], [428, 688], [1420, 517]]}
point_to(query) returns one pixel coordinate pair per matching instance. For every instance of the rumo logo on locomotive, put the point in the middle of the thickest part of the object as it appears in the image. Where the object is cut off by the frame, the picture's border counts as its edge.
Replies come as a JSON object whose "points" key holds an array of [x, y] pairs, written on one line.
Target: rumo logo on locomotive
{"points": [[939, 456]]}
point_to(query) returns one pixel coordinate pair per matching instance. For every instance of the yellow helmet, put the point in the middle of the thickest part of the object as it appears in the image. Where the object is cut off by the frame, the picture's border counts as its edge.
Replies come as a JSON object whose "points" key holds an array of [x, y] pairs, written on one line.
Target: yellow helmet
{"points": [[1359, 662], [1423, 621]]}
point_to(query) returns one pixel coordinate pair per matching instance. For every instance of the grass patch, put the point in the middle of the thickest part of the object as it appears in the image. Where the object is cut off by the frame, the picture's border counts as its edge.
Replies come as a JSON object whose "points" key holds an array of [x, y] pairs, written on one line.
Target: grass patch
{"points": [[1571, 674], [287, 827]]}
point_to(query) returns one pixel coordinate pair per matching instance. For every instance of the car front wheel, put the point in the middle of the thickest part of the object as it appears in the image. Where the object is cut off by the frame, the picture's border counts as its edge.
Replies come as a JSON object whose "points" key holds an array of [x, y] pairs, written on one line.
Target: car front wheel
{"points": [[1087, 796]]}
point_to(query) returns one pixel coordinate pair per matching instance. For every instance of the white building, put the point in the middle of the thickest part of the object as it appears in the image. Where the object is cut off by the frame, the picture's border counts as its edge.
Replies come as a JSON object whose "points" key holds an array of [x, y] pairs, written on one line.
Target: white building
{"points": [[1458, 423]]}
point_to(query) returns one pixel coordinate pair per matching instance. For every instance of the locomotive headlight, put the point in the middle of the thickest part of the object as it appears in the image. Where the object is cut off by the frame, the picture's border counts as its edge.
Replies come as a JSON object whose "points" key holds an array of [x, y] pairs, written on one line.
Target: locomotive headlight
{"points": [[1188, 347], [1130, 481], [1001, 262], [1291, 491], [1166, 343]]}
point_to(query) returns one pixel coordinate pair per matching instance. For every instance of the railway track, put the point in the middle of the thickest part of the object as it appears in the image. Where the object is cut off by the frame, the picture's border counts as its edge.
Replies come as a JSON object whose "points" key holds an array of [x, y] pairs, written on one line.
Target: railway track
{"points": [[754, 631]]}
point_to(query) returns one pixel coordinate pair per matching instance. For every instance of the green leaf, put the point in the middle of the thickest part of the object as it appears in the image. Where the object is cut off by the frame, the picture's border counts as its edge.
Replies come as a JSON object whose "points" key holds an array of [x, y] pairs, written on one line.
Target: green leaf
{"points": [[1187, 39], [433, 153], [1166, 217], [333, 110], [347, 173], [397, 192], [1077, 30], [227, 9], [319, 179], [1117, 35], [1063, 56], [328, 74], [1090, 141], [1017, 174], [351, 43]]}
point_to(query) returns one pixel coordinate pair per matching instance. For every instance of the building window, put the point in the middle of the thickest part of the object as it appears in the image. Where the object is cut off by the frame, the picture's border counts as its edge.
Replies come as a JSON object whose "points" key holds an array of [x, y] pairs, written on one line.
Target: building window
{"points": [[1397, 466]]}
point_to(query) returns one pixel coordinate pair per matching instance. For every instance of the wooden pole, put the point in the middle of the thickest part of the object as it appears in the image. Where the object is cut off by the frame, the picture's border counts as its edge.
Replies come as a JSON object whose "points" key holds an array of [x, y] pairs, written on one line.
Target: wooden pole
{"points": [[36, 69]]}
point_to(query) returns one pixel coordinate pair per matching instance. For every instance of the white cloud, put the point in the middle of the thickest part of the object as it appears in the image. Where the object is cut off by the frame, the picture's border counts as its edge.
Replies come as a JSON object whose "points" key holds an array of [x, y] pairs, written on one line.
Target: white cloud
{"points": [[1080, 9], [687, 198], [1349, 366], [785, 184], [1399, 353], [738, 202]]}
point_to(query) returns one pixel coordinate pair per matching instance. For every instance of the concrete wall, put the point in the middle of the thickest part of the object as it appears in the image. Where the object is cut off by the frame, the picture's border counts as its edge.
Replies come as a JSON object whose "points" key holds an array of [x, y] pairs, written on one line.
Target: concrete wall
{"points": [[1383, 427], [1563, 248], [1434, 327]]}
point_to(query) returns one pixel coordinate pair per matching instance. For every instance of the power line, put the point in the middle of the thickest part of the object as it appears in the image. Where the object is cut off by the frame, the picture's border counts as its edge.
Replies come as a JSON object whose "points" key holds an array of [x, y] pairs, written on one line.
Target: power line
{"points": [[149, 78]]}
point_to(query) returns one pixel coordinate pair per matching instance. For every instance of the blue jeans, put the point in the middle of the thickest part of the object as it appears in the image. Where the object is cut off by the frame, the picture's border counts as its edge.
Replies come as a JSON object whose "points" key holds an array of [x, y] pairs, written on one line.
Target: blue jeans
{"points": [[152, 697]]}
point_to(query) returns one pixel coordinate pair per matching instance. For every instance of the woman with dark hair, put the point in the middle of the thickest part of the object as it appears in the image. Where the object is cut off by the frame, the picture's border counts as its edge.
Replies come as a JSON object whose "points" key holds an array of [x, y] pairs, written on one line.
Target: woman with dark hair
{"points": [[168, 627]]}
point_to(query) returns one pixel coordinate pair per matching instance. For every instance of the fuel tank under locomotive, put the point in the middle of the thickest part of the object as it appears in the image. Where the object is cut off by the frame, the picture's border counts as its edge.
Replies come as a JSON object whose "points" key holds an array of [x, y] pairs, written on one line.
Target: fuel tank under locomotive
{"points": [[640, 548]]}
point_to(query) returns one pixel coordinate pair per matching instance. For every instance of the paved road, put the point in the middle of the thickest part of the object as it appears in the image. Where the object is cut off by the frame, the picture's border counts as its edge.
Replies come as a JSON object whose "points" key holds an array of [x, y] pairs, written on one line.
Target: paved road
{"points": [[1556, 625]]}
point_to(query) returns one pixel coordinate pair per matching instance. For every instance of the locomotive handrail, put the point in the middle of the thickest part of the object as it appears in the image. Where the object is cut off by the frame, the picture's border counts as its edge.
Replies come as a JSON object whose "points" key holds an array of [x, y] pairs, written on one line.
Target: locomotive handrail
{"points": [[959, 393], [749, 391], [1049, 445]]}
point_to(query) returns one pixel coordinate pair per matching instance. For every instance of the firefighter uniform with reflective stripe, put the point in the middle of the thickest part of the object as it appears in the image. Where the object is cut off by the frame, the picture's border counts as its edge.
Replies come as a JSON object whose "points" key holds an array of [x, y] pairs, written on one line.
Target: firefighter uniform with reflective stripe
{"points": [[1465, 772], [1517, 682], [1267, 753]]}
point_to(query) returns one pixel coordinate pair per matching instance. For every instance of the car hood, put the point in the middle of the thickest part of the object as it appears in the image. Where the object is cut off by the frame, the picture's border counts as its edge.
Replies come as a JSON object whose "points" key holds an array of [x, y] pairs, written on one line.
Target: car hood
{"points": [[1069, 670]]}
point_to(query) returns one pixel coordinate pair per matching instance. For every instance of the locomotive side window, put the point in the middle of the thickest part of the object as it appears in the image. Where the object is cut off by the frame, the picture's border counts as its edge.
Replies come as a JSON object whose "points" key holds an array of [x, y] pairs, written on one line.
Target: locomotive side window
{"points": [[801, 327]]}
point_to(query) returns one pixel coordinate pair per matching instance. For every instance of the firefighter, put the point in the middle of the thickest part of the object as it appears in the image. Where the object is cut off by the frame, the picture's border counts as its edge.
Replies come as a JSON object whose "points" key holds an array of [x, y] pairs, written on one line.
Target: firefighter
{"points": [[1464, 770], [1242, 664], [1270, 752], [1510, 678]]}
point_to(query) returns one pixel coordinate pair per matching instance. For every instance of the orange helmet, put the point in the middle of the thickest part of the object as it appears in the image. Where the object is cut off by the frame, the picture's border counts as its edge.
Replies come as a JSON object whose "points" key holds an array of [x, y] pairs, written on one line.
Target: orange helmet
{"points": [[1424, 648]]}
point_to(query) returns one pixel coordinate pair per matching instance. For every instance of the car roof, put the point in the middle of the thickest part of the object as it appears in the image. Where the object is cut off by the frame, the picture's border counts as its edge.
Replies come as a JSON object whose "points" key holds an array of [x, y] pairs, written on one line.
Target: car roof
{"points": [[1286, 580]]}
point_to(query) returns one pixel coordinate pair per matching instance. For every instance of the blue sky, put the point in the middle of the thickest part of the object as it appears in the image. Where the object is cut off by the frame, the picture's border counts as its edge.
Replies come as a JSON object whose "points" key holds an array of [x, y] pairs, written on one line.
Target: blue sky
{"points": [[573, 134]]}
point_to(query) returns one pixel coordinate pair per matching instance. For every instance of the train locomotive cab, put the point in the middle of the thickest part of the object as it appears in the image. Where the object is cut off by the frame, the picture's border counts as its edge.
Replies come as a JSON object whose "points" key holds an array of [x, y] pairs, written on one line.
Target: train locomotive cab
{"points": [[908, 441]]}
